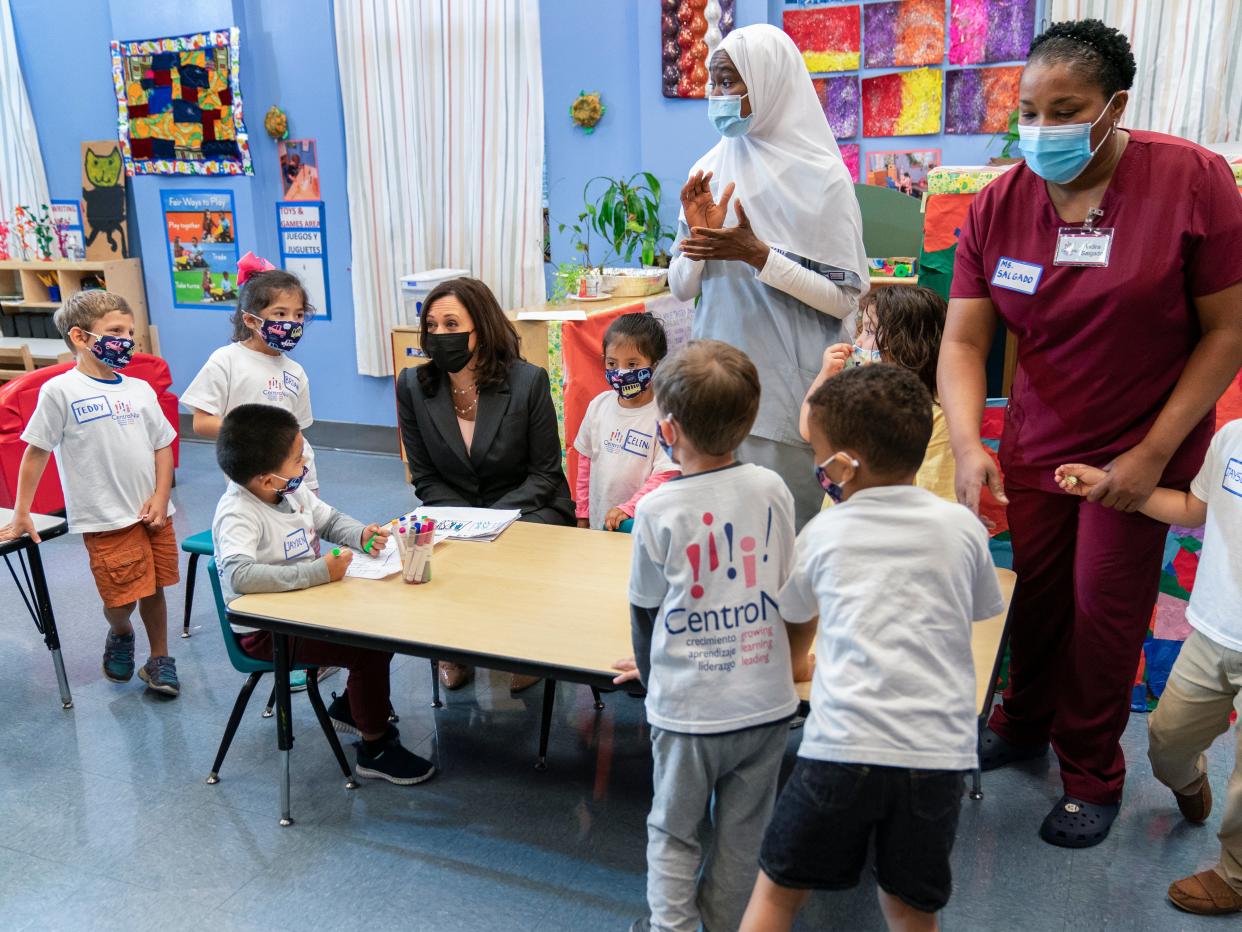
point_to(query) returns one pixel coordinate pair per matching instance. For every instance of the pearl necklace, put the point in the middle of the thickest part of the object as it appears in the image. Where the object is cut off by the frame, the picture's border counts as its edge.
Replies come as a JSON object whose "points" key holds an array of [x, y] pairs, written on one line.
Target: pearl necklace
{"points": [[462, 412]]}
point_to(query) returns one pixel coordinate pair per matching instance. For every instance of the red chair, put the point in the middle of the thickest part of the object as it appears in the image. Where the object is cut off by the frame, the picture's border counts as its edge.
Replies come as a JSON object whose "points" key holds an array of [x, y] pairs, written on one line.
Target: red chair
{"points": [[17, 403]]}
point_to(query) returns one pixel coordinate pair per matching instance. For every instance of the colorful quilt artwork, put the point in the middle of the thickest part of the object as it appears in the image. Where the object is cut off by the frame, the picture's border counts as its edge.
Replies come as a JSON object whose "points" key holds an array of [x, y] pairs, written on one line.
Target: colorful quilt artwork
{"points": [[839, 98], [909, 32], [851, 154], [688, 29], [979, 100], [903, 104], [179, 105], [829, 38], [990, 30]]}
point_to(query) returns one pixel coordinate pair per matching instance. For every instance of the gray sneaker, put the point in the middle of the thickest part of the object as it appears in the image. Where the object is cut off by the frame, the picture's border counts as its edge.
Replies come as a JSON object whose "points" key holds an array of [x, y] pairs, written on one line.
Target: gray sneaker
{"points": [[160, 675], [118, 658]]}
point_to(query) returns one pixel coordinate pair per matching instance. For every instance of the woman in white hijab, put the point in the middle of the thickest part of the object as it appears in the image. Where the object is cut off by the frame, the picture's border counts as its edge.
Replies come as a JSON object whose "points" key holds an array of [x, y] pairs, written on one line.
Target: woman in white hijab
{"points": [[780, 275]]}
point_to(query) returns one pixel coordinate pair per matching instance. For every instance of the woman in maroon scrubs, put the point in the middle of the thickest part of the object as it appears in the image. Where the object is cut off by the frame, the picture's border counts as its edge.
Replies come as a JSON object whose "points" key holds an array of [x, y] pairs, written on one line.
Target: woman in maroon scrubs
{"points": [[1115, 258]]}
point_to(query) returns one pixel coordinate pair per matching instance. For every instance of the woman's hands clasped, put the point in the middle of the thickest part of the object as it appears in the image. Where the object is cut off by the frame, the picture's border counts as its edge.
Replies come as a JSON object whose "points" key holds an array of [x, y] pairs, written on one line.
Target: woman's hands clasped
{"points": [[709, 237]]}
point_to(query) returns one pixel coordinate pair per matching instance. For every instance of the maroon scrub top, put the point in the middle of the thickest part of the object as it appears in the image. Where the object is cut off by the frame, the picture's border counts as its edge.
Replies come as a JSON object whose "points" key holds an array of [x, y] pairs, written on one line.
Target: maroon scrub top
{"points": [[1101, 349]]}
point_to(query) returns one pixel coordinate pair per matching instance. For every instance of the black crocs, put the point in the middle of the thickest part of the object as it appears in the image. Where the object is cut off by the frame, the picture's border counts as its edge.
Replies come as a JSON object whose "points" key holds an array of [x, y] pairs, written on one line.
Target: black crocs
{"points": [[995, 751], [1073, 823]]}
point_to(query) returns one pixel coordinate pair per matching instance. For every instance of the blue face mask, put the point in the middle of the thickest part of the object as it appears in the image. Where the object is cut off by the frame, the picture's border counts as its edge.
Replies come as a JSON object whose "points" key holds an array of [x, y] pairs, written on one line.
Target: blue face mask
{"points": [[280, 335], [113, 352], [666, 447], [862, 357], [725, 112], [628, 383], [291, 485], [1060, 153]]}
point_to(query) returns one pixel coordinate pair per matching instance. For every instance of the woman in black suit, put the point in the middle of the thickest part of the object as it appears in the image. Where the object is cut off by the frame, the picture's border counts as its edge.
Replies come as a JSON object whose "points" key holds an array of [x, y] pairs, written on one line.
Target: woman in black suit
{"points": [[477, 420]]}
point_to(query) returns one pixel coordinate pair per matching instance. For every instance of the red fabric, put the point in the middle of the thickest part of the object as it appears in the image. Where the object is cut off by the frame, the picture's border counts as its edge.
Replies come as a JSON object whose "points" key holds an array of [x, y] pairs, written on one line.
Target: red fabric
{"points": [[943, 219], [583, 354], [1099, 350], [17, 403], [582, 487], [1229, 408]]}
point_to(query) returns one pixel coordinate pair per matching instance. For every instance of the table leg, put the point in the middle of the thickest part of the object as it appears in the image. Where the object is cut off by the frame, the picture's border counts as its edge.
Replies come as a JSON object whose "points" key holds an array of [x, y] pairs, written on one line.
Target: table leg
{"points": [[51, 637], [284, 720], [976, 784], [545, 723], [435, 685]]}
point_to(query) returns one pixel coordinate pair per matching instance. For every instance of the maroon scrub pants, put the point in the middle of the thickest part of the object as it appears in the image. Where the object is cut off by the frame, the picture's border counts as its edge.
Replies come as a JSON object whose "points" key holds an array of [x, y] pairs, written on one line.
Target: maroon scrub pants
{"points": [[1088, 577]]}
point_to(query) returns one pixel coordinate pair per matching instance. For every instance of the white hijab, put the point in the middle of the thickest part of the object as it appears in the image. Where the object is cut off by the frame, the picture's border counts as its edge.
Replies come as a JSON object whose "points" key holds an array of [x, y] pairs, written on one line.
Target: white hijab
{"points": [[787, 169]]}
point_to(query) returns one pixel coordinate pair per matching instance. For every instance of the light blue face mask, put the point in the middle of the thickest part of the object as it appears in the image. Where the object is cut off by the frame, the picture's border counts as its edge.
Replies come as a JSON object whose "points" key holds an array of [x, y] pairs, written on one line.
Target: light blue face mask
{"points": [[1060, 153], [725, 112]]}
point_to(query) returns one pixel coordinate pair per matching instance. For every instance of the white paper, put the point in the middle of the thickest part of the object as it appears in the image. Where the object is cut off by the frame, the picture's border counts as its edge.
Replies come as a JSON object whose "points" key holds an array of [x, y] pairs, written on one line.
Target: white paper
{"points": [[365, 566], [573, 314], [468, 523]]}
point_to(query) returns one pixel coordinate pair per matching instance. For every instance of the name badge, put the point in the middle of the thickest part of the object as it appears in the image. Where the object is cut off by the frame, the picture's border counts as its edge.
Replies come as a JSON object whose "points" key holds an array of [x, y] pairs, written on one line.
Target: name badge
{"points": [[1232, 481], [1017, 276], [1077, 246]]}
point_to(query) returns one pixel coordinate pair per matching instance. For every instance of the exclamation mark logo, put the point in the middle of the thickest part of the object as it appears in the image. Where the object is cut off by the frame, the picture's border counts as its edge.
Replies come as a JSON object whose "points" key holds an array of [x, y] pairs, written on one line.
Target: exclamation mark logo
{"points": [[748, 560], [728, 532], [713, 558], [692, 554], [767, 537]]}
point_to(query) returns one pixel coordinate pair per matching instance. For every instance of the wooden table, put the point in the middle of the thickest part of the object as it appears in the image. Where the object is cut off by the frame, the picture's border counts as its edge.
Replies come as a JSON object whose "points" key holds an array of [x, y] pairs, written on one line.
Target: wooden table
{"points": [[541, 600], [47, 352], [32, 586]]}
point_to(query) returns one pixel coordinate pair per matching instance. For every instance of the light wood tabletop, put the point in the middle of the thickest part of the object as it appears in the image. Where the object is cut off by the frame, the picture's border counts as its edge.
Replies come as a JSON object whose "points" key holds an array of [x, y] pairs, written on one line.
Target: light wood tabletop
{"points": [[543, 595]]}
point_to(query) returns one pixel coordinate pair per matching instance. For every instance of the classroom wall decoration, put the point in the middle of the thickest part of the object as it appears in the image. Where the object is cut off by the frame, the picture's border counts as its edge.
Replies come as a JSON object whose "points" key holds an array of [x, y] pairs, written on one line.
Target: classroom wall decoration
{"points": [[909, 32], [304, 249], [902, 171], [903, 104], [829, 38], [690, 30], [67, 218], [979, 100], [851, 154], [299, 169], [179, 105], [103, 195], [990, 30], [839, 97], [201, 234]]}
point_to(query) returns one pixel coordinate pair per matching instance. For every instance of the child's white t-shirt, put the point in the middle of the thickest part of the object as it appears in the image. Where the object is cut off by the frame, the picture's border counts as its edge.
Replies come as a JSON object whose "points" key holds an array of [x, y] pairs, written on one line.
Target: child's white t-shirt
{"points": [[1215, 608], [237, 375], [712, 551], [896, 576], [621, 444], [104, 435]]}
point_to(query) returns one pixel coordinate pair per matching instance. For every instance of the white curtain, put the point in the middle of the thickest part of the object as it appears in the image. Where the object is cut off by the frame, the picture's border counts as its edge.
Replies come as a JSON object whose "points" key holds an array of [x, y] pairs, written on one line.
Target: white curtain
{"points": [[444, 133], [1189, 80], [23, 182]]}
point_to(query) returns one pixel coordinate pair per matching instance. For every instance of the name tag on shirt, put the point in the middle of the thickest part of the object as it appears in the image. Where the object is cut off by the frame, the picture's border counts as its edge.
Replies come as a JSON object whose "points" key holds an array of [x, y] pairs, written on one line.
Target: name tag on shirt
{"points": [[1013, 275], [1232, 482], [1090, 248]]}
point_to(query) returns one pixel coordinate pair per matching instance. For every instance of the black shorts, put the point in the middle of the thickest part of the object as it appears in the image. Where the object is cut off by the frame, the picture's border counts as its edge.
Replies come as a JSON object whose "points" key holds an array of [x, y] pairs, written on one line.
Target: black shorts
{"points": [[827, 813]]}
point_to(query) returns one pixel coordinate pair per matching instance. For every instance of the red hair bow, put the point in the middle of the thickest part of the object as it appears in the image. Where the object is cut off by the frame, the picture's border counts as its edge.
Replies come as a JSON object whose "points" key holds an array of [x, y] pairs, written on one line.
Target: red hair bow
{"points": [[251, 264]]}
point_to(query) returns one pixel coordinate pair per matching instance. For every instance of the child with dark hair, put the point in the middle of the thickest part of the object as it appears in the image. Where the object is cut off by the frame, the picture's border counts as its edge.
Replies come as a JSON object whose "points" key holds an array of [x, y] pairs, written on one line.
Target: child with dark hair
{"points": [[267, 532], [254, 368], [619, 460], [893, 717]]}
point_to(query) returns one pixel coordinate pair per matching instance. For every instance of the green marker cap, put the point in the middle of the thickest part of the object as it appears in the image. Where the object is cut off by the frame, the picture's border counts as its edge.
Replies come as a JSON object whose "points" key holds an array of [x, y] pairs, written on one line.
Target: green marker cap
{"points": [[336, 551]]}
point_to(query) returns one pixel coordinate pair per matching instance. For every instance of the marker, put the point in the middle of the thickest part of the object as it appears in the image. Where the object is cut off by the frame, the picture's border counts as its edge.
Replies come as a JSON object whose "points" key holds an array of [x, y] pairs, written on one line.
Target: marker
{"points": [[336, 551], [367, 547]]}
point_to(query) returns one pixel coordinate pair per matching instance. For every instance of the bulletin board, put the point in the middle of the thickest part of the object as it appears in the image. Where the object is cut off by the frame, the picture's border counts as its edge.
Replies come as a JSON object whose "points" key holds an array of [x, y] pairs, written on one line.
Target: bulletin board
{"points": [[303, 246]]}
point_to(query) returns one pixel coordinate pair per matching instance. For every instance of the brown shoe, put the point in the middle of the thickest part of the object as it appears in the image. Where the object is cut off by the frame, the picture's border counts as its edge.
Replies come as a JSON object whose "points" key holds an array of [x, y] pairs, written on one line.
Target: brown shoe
{"points": [[1197, 806], [518, 682], [455, 675], [1205, 894]]}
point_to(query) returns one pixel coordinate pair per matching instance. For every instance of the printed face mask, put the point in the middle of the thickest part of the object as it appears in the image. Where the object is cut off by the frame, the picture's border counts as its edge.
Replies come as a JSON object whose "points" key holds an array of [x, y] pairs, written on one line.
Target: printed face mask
{"points": [[291, 485], [628, 383], [834, 490], [450, 351], [280, 335], [664, 445], [113, 352], [1060, 153], [863, 357], [725, 112]]}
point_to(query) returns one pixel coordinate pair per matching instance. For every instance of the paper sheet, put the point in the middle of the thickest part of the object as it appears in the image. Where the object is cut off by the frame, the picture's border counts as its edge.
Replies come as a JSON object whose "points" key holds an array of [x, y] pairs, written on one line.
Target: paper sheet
{"points": [[468, 523], [365, 566]]}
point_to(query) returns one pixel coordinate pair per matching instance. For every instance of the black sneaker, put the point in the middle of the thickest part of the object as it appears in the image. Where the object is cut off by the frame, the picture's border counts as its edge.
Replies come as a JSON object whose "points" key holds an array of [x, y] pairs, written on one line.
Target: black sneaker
{"points": [[342, 718], [392, 762]]}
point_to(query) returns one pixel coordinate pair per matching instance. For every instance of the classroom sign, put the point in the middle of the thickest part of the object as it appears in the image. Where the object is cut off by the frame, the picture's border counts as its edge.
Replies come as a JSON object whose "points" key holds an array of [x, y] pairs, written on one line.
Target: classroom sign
{"points": [[201, 234], [304, 249]]}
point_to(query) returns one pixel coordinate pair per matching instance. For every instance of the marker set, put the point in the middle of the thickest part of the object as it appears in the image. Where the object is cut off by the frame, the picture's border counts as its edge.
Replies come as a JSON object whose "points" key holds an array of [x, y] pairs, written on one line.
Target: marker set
{"points": [[415, 541]]}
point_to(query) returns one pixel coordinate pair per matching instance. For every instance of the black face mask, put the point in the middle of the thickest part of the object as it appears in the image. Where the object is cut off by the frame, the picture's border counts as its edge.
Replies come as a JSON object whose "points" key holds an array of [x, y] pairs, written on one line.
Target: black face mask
{"points": [[450, 351]]}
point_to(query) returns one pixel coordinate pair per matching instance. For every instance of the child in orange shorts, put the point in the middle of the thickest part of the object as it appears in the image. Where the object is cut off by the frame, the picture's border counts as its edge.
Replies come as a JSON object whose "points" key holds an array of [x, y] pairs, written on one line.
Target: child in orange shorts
{"points": [[113, 448]]}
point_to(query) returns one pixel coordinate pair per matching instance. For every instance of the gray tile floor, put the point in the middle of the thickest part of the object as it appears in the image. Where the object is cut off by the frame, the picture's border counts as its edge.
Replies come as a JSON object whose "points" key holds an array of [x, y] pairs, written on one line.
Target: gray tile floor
{"points": [[106, 822]]}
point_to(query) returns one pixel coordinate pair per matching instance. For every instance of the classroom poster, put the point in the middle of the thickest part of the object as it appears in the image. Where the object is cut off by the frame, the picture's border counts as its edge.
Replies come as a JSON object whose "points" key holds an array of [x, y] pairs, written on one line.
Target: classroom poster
{"points": [[304, 249], [902, 171], [299, 170], [201, 234], [67, 215]]}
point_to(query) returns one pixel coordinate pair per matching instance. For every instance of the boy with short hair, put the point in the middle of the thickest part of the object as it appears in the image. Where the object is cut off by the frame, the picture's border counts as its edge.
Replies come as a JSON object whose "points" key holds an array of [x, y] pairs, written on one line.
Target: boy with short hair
{"points": [[712, 548], [896, 576], [113, 446], [267, 533]]}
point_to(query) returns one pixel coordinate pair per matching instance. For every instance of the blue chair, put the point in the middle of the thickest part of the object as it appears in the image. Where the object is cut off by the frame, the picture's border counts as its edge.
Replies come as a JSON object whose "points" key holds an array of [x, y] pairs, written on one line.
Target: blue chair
{"points": [[199, 545], [244, 663]]}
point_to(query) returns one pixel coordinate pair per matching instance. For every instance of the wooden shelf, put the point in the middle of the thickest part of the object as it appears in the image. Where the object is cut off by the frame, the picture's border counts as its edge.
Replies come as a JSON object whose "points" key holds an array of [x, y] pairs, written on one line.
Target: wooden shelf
{"points": [[58, 265], [33, 305]]}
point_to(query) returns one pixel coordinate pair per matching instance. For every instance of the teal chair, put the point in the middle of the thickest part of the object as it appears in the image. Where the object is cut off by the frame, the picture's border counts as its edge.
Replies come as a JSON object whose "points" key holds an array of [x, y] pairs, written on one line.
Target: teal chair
{"points": [[254, 670], [196, 546]]}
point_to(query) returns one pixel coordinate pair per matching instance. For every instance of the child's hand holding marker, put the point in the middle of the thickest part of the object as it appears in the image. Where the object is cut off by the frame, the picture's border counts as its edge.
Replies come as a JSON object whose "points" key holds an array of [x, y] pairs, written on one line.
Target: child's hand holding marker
{"points": [[374, 540], [338, 561]]}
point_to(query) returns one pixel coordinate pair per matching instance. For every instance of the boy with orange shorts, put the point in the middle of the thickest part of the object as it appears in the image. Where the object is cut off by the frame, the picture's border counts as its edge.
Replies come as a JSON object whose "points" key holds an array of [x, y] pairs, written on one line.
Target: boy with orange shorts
{"points": [[113, 448]]}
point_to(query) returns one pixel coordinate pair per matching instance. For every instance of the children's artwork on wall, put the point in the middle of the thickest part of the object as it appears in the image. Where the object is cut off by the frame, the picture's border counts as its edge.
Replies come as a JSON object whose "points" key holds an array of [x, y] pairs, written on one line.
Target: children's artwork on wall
{"points": [[67, 218], [839, 98], [179, 105], [299, 169], [902, 171], [103, 194], [304, 249], [908, 32], [903, 104], [690, 30], [851, 153], [979, 100], [829, 38], [990, 30], [202, 247]]}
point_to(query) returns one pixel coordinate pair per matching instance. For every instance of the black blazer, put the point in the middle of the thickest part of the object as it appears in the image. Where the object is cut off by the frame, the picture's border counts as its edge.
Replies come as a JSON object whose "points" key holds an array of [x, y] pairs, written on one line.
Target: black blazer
{"points": [[514, 459]]}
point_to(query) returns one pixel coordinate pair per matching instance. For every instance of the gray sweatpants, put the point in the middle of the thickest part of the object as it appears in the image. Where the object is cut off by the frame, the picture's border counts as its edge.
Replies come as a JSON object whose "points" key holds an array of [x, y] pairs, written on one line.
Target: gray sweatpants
{"points": [[794, 464], [722, 786]]}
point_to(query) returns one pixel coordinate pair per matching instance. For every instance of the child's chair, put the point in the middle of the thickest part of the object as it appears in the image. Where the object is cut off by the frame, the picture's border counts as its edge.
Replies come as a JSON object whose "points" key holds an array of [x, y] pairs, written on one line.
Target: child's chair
{"points": [[255, 669], [196, 545]]}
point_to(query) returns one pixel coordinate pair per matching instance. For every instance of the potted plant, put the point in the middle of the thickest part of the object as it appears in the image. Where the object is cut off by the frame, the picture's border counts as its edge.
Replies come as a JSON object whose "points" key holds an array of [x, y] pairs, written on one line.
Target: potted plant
{"points": [[1009, 138]]}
